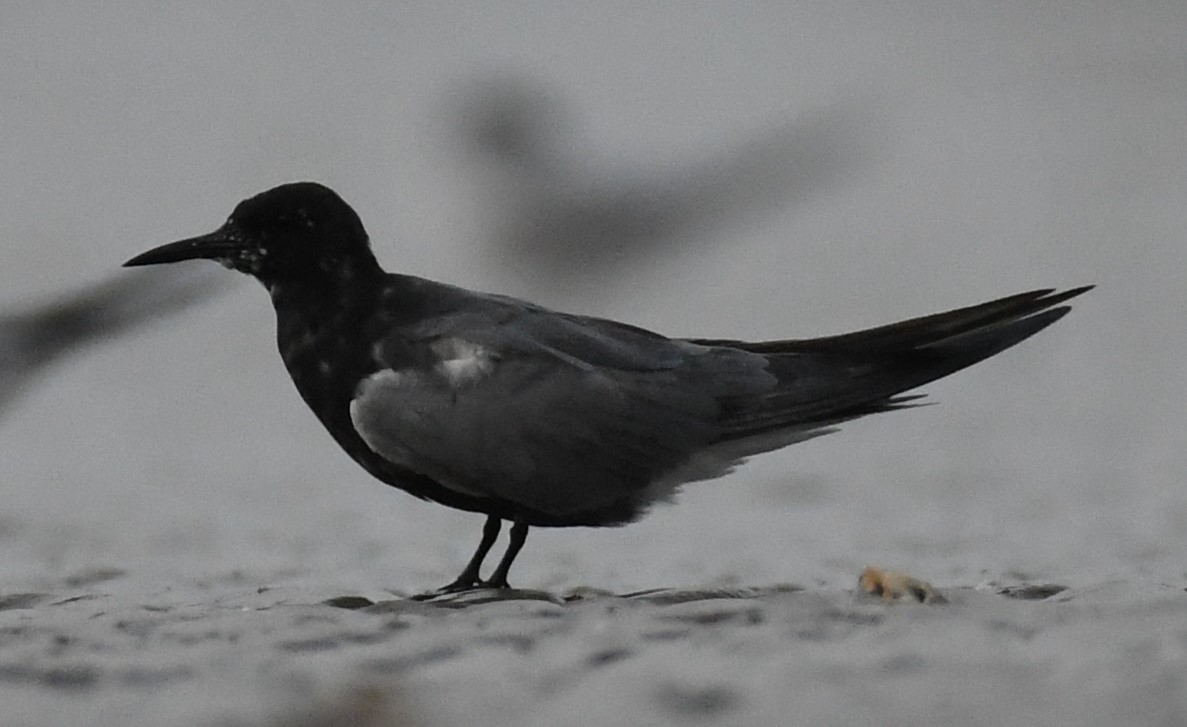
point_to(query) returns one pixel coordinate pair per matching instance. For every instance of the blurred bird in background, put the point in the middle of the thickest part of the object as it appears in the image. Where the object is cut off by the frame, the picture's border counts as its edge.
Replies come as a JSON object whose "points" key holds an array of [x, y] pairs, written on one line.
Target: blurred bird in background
{"points": [[34, 338], [558, 217], [561, 217]]}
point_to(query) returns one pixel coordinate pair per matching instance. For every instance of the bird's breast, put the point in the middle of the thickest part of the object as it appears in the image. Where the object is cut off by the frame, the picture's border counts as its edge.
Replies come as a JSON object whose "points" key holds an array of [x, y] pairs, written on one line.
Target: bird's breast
{"points": [[325, 364]]}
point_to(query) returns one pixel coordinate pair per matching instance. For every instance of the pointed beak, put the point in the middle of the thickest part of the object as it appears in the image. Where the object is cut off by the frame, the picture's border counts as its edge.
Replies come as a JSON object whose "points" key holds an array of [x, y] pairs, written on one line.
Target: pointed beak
{"points": [[222, 244]]}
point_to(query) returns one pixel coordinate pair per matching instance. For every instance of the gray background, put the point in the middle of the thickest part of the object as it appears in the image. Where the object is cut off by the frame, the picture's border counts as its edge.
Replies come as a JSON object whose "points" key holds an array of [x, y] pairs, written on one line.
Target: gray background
{"points": [[1003, 146]]}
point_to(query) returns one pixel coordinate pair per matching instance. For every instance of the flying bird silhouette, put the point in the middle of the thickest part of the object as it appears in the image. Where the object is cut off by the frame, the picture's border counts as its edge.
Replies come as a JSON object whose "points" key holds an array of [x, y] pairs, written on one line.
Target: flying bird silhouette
{"points": [[558, 218], [494, 405], [32, 339]]}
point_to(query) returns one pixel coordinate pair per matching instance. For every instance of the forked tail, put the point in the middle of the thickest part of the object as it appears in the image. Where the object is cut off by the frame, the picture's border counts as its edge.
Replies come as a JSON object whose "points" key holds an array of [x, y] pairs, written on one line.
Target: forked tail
{"points": [[828, 380]]}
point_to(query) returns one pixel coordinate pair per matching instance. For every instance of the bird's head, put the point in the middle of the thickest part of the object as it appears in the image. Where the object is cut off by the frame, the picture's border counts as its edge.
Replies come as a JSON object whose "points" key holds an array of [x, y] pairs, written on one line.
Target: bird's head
{"points": [[293, 233]]}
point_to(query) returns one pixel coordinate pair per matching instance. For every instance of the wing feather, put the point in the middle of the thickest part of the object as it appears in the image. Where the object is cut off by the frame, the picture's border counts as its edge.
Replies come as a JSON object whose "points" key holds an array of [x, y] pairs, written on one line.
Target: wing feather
{"points": [[557, 414]]}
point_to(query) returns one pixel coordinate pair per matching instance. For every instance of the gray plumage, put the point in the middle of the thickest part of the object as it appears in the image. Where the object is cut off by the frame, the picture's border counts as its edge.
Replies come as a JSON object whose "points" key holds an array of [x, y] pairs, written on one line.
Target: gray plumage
{"points": [[574, 417], [495, 405]]}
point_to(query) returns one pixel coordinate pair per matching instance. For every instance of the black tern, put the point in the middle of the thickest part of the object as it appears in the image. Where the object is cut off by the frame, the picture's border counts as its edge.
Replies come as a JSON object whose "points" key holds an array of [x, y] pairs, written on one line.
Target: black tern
{"points": [[494, 405]]}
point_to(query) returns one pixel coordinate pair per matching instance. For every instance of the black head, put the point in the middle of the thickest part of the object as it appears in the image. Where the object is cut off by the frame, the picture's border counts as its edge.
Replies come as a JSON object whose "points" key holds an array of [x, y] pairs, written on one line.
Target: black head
{"points": [[294, 232]]}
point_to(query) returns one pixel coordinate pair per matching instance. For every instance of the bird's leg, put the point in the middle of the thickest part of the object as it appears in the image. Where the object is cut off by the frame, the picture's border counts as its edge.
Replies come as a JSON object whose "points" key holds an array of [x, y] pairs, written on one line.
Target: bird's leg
{"points": [[469, 576], [498, 579]]}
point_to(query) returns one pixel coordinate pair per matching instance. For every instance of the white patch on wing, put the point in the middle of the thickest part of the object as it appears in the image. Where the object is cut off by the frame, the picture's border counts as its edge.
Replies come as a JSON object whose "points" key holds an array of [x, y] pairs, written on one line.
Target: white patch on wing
{"points": [[377, 351], [462, 362]]}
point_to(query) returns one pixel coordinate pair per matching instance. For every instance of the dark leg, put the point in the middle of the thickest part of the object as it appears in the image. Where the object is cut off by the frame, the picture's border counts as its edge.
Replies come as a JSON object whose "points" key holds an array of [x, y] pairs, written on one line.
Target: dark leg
{"points": [[469, 577], [498, 579]]}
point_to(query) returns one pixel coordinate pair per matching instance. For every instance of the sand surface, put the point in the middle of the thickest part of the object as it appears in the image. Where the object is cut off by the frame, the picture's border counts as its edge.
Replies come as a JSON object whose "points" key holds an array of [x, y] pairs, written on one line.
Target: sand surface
{"points": [[103, 650]]}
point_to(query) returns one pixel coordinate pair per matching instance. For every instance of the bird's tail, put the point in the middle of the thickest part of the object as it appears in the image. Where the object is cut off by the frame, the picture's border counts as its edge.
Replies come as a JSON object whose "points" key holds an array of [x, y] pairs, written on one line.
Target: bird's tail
{"points": [[824, 381]]}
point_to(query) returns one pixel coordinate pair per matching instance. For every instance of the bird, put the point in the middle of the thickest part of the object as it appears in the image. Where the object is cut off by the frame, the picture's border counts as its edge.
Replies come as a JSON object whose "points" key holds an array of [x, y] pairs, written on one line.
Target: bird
{"points": [[34, 338], [494, 405], [559, 217]]}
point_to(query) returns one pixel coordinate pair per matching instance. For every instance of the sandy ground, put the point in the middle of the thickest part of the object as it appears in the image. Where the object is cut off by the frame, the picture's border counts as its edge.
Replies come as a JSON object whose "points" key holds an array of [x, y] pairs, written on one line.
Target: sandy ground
{"points": [[101, 650], [177, 535]]}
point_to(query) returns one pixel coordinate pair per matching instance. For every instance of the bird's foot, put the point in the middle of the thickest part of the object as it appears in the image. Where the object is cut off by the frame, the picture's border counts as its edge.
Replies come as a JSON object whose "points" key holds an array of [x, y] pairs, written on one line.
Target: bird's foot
{"points": [[461, 585], [500, 583], [897, 587]]}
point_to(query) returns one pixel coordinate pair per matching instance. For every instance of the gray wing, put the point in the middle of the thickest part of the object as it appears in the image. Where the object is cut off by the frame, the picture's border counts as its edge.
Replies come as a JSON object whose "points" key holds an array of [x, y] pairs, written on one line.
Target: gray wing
{"points": [[560, 415]]}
